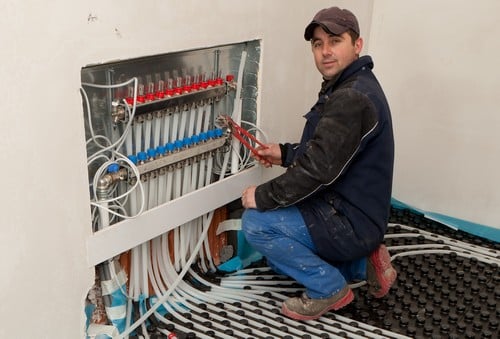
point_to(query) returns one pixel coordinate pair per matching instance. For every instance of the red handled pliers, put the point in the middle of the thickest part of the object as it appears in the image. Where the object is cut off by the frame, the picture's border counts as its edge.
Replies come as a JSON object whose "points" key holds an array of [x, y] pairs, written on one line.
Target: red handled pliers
{"points": [[243, 135]]}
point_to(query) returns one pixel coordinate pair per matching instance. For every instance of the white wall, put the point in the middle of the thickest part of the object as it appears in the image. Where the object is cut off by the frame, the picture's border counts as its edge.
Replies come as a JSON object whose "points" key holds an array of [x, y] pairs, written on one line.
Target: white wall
{"points": [[437, 61], [44, 206]]}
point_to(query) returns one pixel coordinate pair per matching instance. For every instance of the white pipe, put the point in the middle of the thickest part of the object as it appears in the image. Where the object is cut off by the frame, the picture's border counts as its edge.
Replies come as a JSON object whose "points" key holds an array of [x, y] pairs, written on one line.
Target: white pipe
{"points": [[222, 174], [236, 116], [177, 193], [208, 176], [206, 115], [133, 202], [152, 268], [144, 269], [138, 137], [103, 215], [192, 116], [446, 240], [162, 186], [185, 228], [145, 186], [182, 127], [129, 150], [153, 192], [157, 130], [199, 119], [175, 126], [194, 175], [147, 133], [134, 273], [166, 128], [168, 190], [172, 287], [197, 229], [201, 173]]}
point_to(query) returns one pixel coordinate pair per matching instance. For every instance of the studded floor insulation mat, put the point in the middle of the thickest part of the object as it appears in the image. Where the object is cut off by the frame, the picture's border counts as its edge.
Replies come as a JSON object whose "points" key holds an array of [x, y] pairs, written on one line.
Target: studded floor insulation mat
{"points": [[447, 287]]}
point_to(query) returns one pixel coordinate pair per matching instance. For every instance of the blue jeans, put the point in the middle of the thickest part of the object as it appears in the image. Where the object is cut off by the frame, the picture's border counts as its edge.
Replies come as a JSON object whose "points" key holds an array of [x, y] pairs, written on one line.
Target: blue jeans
{"points": [[283, 238]]}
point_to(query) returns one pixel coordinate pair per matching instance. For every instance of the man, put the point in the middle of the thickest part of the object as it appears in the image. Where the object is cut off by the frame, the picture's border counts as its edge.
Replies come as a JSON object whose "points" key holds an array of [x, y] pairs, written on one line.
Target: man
{"points": [[322, 222]]}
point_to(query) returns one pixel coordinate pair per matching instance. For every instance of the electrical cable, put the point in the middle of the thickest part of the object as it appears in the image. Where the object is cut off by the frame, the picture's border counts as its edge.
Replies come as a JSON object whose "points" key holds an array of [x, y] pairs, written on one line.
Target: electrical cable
{"points": [[131, 114]]}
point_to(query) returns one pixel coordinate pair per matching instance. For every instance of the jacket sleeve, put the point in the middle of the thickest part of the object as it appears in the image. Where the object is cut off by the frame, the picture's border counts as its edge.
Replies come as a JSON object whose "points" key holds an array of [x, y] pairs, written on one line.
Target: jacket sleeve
{"points": [[288, 151], [348, 117]]}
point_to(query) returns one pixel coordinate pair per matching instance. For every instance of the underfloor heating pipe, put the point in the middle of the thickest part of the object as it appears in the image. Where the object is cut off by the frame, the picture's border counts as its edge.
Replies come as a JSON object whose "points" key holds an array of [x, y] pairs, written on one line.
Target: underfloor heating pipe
{"points": [[194, 229], [207, 220], [459, 248], [136, 284], [157, 120], [202, 181], [197, 295], [147, 132], [158, 273], [175, 126], [166, 128], [177, 194], [464, 251], [183, 124], [153, 190], [208, 180], [207, 112], [162, 186], [346, 322], [445, 240], [180, 295], [138, 136], [192, 119], [129, 148], [199, 118], [185, 229], [245, 298], [161, 300], [246, 281], [236, 116], [181, 188], [220, 292]]}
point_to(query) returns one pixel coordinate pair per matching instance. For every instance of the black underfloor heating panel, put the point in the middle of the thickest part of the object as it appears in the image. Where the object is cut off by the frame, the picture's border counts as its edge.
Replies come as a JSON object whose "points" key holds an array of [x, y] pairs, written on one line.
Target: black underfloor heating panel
{"points": [[447, 287]]}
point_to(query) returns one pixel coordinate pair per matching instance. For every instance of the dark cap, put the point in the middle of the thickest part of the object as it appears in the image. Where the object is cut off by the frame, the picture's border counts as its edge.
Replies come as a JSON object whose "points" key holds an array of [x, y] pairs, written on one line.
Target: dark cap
{"points": [[333, 20]]}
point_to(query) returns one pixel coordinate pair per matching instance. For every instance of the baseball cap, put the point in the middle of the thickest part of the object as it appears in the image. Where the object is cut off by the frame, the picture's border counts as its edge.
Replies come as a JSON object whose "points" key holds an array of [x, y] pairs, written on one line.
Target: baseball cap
{"points": [[334, 20]]}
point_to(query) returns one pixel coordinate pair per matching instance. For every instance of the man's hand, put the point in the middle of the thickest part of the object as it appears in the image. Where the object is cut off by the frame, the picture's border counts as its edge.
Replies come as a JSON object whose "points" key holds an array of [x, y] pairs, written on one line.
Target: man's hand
{"points": [[269, 155], [248, 197]]}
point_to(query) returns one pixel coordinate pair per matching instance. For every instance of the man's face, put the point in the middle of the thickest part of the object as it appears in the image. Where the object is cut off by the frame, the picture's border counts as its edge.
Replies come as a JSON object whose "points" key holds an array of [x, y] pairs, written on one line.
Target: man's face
{"points": [[333, 53]]}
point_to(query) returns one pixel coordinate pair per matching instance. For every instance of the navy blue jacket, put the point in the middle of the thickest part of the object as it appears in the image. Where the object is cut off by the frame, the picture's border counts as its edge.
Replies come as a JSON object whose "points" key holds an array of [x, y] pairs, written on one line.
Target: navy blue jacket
{"points": [[340, 174]]}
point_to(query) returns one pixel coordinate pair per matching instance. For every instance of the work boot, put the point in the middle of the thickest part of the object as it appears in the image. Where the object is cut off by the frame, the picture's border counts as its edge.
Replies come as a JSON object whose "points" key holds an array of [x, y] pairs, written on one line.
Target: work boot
{"points": [[380, 273], [305, 308]]}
